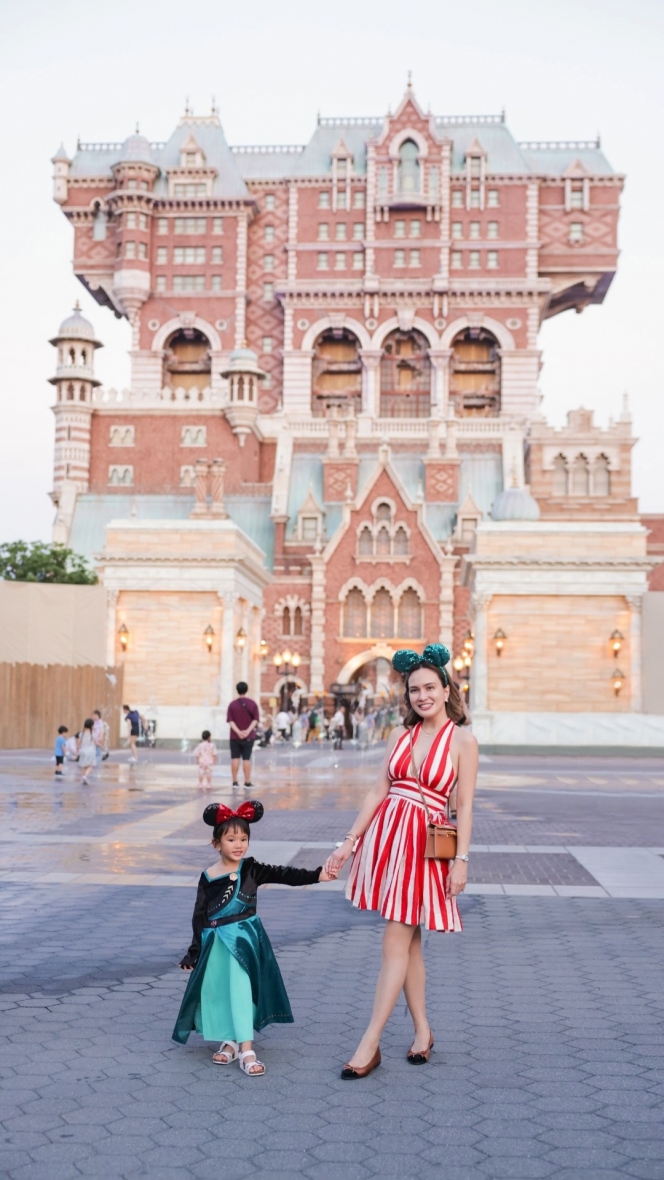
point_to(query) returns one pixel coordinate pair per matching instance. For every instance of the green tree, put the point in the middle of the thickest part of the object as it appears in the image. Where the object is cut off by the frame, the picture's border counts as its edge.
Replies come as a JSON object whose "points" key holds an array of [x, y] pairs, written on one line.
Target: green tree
{"points": [[21, 561]]}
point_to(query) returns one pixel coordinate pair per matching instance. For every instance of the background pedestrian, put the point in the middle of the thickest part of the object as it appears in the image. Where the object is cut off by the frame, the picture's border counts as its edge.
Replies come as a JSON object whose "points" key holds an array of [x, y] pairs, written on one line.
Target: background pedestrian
{"points": [[60, 749], [86, 750], [242, 717], [206, 756]]}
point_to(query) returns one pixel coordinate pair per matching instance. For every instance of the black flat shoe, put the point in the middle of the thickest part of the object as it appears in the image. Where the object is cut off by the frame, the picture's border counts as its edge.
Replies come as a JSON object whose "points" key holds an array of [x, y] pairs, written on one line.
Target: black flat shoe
{"points": [[361, 1071], [420, 1058]]}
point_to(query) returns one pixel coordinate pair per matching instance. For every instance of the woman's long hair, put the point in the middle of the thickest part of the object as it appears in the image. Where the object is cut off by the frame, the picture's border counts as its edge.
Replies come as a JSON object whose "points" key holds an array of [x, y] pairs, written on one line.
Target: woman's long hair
{"points": [[453, 706]]}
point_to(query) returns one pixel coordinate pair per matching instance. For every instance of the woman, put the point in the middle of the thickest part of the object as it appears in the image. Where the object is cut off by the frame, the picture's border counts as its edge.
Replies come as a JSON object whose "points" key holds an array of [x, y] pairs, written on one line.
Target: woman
{"points": [[389, 871]]}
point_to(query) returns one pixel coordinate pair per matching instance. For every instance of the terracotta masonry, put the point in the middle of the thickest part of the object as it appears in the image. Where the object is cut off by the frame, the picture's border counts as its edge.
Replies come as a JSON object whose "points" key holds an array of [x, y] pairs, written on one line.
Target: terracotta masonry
{"points": [[334, 379]]}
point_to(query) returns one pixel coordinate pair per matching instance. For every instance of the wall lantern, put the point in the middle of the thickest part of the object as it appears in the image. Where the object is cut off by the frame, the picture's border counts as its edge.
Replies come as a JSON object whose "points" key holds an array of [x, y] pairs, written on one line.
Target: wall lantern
{"points": [[277, 660], [458, 664], [617, 680], [263, 649], [123, 632], [499, 640], [241, 639], [616, 642], [469, 643], [208, 636], [296, 659]]}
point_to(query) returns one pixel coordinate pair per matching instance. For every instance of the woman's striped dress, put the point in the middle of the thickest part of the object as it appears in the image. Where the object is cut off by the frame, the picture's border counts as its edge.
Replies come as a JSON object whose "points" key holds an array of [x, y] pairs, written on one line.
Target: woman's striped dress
{"points": [[389, 872]]}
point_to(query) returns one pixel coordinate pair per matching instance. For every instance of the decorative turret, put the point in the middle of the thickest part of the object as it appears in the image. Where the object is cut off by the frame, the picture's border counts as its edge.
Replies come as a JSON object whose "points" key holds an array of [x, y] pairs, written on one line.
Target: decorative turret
{"points": [[61, 165], [74, 381], [243, 375], [131, 203]]}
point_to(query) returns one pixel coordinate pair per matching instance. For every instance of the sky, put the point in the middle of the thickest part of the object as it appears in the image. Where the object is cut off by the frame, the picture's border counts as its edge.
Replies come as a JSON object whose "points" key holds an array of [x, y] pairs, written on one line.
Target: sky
{"points": [[562, 69]]}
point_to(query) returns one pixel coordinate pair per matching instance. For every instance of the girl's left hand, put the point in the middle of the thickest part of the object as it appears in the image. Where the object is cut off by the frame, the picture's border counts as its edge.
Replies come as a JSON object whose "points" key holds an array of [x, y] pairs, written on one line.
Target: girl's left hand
{"points": [[456, 878], [326, 875]]}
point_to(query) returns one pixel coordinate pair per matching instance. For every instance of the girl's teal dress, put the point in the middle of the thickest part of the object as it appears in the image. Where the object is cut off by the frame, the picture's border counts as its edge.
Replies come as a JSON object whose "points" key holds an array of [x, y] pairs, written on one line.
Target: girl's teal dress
{"points": [[236, 985]]}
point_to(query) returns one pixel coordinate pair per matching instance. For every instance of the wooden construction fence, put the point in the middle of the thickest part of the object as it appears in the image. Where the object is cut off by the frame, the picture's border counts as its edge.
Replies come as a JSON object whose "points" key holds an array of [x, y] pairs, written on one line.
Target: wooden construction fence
{"points": [[37, 698]]}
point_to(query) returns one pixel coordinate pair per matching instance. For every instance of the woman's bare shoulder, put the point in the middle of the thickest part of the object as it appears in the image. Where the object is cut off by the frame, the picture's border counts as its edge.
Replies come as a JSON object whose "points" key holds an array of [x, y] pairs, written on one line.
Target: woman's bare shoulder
{"points": [[395, 734], [464, 738]]}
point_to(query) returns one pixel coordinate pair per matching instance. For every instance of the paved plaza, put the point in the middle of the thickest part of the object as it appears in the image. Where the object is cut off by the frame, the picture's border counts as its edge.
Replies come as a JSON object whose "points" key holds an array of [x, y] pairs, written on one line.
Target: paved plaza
{"points": [[548, 1011]]}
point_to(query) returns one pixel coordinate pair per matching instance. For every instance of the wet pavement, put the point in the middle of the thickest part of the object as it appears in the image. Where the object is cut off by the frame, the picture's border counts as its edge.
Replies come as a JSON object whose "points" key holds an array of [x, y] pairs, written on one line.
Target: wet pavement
{"points": [[548, 1010]]}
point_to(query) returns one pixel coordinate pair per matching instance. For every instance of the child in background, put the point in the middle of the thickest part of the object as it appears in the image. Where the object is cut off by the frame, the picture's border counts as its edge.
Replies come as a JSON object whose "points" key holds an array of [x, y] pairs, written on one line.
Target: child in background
{"points": [[86, 750], [206, 756], [60, 749], [235, 984]]}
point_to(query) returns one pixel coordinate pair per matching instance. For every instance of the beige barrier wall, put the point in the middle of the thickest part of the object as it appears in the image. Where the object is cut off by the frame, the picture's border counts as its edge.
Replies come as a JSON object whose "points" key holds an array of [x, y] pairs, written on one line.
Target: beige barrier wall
{"points": [[653, 652], [52, 624]]}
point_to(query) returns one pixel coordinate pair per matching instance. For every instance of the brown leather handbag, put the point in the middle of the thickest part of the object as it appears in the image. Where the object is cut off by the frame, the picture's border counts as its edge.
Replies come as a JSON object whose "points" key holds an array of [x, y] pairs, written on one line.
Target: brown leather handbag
{"points": [[441, 838]]}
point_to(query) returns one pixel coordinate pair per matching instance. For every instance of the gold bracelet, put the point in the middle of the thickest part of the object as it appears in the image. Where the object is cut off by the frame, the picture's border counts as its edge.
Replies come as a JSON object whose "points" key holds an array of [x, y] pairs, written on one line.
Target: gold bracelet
{"points": [[352, 836]]}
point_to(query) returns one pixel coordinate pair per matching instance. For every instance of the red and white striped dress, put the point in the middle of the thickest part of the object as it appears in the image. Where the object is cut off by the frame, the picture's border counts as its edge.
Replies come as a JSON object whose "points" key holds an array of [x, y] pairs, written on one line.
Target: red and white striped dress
{"points": [[389, 872]]}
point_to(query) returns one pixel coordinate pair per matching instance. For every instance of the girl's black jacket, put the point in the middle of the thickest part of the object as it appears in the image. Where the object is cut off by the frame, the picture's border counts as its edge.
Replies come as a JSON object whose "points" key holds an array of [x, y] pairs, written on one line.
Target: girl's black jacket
{"points": [[214, 895]]}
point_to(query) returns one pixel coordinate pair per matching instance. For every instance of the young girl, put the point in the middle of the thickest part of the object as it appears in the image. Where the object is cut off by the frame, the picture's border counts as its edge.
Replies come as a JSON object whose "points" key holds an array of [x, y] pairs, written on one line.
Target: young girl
{"points": [[86, 751], [236, 984], [206, 756]]}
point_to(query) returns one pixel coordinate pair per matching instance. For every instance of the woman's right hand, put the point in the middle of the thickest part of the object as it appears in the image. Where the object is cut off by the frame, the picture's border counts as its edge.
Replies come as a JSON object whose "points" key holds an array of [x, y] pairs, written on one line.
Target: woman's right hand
{"points": [[336, 861]]}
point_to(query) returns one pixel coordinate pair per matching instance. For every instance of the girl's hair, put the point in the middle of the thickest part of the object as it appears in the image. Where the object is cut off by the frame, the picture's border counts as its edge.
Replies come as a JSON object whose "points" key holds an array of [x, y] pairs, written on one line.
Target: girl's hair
{"points": [[234, 824], [88, 723], [453, 706], [206, 735]]}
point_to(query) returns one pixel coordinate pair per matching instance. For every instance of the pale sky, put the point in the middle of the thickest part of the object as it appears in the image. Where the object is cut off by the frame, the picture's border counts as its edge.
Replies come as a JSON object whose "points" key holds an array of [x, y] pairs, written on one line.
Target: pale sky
{"points": [[562, 69]]}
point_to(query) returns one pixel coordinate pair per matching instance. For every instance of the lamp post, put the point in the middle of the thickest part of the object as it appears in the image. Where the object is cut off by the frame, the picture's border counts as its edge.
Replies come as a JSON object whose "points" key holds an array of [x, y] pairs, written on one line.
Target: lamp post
{"points": [[288, 661]]}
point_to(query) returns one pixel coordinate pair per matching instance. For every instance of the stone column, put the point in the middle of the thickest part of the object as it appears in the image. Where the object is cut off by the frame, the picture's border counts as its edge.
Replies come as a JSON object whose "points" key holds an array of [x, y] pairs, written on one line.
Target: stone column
{"points": [[478, 682], [350, 450], [635, 604], [317, 668], [241, 280], [440, 365], [370, 362], [446, 623], [333, 433], [217, 473], [111, 608], [227, 658], [201, 479]]}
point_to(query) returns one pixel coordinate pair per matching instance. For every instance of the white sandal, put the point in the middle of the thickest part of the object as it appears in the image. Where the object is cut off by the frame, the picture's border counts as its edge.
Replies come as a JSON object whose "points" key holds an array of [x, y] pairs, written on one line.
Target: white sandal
{"points": [[227, 1053], [246, 1066]]}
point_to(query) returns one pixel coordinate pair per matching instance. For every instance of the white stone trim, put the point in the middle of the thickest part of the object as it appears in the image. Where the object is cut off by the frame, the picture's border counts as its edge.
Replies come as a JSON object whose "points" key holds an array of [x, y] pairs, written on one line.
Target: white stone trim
{"points": [[393, 324], [479, 320], [335, 321], [161, 336]]}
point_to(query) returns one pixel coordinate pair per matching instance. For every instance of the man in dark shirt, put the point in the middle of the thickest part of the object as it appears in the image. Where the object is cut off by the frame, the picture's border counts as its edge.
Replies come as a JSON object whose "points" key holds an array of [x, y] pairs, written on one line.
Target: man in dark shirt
{"points": [[242, 717]]}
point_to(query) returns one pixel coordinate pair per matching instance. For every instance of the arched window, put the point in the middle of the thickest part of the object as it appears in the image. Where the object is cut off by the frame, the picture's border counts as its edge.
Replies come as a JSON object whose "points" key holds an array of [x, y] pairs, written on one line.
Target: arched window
{"points": [[286, 621], [99, 225], [382, 615], [405, 376], [365, 542], [580, 478], [355, 615], [409, 168], [410, 615], [298, 627], [72, 356], [240, 389], [336, 372], [475, 374], [81, 393], [601, 477], [383, 542], [70, 393], [401, 545], [187, 360], [559, 476], [383, 512], [84, 356]]}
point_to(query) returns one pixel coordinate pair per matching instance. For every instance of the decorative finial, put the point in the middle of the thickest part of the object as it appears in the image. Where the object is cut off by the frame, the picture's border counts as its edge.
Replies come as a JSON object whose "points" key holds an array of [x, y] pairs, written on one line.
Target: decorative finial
{"points": [[138, 130], [410, 79], [215, 108], [77, 306], [187, 108]]}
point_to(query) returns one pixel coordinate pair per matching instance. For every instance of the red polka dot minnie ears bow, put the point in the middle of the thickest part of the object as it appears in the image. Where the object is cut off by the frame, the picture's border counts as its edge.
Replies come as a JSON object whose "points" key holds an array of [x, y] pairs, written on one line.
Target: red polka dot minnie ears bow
{"points": [[216, 813]]}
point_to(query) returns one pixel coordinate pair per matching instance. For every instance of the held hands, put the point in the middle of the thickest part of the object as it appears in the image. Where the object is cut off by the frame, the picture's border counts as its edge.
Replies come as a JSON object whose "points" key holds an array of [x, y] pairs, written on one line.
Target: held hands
{"points": [[456, 878], [327, 874], [336, 861]]}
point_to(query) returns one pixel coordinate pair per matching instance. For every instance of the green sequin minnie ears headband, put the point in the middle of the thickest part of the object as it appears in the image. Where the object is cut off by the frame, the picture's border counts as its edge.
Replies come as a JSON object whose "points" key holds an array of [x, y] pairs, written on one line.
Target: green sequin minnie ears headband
{"points": [[406, 661]]}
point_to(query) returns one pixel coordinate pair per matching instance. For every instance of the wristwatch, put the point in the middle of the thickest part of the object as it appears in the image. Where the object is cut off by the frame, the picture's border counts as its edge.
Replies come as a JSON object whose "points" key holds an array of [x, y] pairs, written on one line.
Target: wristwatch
{"points": [[465, 857]]}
